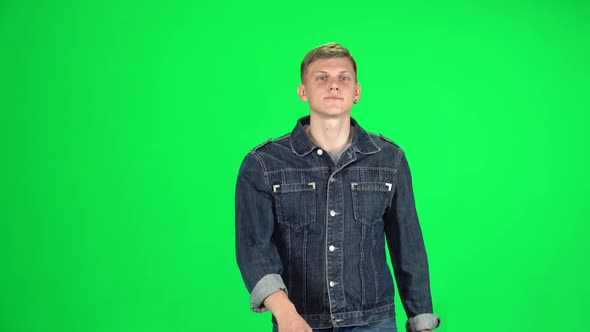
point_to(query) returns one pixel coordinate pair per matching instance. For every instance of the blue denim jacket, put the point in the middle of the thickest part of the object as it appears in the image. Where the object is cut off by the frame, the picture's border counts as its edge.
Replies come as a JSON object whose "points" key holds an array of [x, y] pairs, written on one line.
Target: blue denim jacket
{"points": [[317, 230]]}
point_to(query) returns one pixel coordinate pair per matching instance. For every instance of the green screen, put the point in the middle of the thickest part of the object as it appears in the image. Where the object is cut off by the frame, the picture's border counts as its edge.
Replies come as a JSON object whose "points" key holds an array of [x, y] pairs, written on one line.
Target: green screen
{"points": [[123, 125]]}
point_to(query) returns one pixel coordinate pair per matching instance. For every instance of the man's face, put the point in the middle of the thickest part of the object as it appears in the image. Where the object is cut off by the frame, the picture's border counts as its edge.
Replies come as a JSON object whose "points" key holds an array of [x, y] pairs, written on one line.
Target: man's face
{"points": [[330, 87]]}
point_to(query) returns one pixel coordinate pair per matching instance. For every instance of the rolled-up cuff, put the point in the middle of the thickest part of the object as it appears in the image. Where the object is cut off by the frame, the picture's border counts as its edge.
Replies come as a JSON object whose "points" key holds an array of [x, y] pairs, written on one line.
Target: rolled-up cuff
{"points": [[269, 284], [422, 322]]}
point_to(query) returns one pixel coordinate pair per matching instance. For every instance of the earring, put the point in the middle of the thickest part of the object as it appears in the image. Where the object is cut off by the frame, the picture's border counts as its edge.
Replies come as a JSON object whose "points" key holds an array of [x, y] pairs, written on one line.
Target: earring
{"points": [[356, 101]]}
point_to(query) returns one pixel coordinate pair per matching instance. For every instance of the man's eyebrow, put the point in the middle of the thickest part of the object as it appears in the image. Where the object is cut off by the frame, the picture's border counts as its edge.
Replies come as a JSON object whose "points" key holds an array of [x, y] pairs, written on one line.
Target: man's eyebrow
{"points": [[323, 71]]}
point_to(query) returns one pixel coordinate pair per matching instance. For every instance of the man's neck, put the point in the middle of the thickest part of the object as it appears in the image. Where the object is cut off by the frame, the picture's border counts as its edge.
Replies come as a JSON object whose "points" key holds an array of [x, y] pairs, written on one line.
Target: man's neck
{"points": [[331, 134]]}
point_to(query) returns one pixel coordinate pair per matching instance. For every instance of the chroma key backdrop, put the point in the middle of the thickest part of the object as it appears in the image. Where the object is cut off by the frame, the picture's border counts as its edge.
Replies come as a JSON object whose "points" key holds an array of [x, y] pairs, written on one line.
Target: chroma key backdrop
{"points": [[123, 125]]}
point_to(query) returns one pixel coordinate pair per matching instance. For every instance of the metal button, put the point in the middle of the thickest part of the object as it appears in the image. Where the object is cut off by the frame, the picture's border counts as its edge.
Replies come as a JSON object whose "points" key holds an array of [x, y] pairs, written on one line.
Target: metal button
{"points": [[332, 213], [332, 284], [331, 248], [320, 152]]}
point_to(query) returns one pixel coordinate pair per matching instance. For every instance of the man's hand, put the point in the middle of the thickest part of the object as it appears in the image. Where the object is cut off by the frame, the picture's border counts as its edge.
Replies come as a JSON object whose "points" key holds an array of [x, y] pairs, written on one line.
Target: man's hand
{"points": [[285, 313]]}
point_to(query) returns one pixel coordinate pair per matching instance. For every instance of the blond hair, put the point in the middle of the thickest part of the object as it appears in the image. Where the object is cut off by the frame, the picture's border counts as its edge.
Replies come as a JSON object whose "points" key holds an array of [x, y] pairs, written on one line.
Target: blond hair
{"points": [[329, 50]]}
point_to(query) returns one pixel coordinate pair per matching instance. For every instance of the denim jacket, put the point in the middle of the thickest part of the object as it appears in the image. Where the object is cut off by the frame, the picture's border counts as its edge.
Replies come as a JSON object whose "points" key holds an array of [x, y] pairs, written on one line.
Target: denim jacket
{"points": [[317, 230]]}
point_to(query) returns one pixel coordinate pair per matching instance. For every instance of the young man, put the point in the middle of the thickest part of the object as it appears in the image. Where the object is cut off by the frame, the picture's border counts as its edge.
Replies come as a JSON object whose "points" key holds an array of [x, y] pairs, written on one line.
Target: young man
{"points": [[313, 209]]}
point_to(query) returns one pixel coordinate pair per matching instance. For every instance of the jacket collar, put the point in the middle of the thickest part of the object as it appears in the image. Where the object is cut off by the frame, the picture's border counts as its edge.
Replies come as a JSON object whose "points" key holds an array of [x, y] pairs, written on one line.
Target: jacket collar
{"points": [[302, 145]]}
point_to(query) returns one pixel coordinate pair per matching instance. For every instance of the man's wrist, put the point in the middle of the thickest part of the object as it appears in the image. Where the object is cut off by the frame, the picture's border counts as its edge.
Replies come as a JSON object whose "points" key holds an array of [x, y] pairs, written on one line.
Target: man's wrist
{"points": [[282, 312], [280, 305]]}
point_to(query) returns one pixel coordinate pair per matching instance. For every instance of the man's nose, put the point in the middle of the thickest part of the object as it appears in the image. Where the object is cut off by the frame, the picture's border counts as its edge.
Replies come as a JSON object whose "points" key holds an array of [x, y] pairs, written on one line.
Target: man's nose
{"points": [[334, 85]]}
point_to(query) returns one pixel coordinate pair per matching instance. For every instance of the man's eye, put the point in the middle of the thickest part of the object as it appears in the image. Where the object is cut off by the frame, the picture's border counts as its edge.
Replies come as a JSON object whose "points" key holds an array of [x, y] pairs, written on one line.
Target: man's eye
{"points": [[345, 78], [321, 78]]}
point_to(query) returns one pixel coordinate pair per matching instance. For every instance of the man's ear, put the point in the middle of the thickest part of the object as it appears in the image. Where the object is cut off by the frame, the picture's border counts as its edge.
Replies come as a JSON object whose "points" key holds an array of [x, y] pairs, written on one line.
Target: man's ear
{"points": [[301, 92], [358, 91]]}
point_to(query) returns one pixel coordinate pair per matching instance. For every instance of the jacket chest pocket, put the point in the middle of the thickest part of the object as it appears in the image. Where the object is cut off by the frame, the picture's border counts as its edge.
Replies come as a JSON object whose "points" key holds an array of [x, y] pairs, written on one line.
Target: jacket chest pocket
{"points": [[296, 203], [370, 199]]}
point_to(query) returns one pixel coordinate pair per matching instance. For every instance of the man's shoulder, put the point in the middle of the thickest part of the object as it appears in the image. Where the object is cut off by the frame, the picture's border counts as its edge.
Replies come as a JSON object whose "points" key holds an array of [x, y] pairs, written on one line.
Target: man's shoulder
{"points": [[384, 141], [269, 142]]}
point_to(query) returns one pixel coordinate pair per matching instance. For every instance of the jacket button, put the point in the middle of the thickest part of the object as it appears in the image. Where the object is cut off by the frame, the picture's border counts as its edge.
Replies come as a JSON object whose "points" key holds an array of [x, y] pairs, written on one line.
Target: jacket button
{"points": [[331, 248], [320, 152], [332, 213], [332, 284]]}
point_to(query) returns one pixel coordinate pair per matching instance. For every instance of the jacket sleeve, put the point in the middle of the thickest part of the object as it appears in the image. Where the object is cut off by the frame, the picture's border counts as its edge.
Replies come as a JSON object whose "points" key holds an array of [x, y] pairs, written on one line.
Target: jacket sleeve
{"points": [[257, 256], [407, 252]]}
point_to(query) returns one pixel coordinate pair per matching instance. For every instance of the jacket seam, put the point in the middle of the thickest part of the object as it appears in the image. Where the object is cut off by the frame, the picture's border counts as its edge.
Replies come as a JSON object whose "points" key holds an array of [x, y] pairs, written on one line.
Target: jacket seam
{"points": [[261, 162], [283, 170]]}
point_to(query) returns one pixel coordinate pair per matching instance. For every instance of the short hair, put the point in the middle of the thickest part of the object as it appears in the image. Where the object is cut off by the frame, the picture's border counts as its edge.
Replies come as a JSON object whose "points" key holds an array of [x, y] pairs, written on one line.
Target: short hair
{"points": [[329, 50]]}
